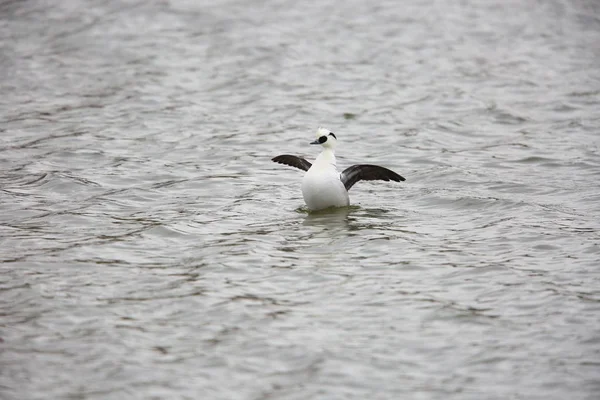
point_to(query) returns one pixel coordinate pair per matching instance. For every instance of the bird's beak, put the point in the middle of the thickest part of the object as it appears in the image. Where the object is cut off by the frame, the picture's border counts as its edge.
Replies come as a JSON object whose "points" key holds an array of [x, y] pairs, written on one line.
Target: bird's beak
{"points": [[315, 142]]}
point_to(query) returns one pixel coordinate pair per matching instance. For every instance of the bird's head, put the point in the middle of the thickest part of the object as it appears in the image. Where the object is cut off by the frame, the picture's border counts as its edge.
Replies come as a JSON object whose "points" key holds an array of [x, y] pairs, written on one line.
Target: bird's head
{"points": [[325, 138]]}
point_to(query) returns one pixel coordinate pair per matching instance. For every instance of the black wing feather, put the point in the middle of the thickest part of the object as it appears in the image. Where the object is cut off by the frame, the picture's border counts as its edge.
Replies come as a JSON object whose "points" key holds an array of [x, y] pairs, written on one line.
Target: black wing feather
{"points": [[293, 161], [366, 172]]}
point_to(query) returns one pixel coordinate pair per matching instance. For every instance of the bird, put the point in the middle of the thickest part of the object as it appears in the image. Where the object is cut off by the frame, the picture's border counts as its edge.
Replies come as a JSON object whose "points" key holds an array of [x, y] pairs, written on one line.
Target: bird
{"points": [[323, 186]]}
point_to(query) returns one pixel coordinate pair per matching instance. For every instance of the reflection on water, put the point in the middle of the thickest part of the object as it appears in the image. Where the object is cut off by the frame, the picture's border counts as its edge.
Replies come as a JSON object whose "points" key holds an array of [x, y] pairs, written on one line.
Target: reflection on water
{"points": [[329, 216]]}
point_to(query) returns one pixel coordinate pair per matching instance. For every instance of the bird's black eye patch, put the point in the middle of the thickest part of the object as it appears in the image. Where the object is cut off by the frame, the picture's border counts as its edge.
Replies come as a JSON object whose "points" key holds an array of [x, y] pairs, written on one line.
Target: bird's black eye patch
{"points": [[332, 134], [322, 139]]}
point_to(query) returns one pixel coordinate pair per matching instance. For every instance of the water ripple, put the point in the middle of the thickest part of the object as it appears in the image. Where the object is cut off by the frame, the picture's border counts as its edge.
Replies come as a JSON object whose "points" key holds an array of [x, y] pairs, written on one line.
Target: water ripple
{"points": [[150, 248]]}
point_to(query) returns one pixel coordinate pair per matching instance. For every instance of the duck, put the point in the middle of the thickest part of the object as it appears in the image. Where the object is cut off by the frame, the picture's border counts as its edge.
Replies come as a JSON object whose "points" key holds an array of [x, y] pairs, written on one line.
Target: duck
{"points": [[323, 186]]}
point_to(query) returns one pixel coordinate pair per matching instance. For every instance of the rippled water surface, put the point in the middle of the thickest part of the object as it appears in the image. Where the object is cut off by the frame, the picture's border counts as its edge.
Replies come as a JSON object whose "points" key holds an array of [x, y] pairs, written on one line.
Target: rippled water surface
{"points": [[151, 249]]}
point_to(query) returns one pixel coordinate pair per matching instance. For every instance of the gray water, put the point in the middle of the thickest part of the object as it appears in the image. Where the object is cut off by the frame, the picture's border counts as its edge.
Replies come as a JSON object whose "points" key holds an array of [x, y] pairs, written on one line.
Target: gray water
{"points": [[151, 250]]}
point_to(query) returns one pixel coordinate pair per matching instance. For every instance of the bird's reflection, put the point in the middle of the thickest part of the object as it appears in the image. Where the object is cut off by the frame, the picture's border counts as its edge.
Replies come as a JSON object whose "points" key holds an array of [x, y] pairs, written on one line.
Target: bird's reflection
{"points": [[336, 217]]}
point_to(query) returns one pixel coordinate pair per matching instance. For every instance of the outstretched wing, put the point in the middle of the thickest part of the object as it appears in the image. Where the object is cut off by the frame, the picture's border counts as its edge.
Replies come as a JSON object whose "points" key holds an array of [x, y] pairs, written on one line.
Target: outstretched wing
{"points": [[293, 161], [366, 172]]}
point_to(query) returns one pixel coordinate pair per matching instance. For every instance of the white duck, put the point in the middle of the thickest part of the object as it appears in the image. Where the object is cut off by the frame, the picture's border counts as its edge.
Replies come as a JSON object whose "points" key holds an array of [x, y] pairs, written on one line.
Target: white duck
{"points": [[323, 186]]}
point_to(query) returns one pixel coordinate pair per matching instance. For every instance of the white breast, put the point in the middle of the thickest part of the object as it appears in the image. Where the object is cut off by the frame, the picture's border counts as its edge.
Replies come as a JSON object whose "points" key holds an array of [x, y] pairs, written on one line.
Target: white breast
{"points": [[321, 185]]}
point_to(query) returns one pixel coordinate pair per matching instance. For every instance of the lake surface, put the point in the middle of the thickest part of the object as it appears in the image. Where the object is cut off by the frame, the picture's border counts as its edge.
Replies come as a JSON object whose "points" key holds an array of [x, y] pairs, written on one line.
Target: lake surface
{"points": [[151, 250]]}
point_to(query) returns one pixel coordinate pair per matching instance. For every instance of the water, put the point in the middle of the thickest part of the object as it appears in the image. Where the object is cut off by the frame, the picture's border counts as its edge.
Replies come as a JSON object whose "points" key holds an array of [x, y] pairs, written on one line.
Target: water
{"points": [[151, 249]]}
